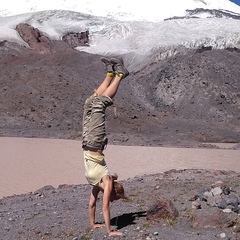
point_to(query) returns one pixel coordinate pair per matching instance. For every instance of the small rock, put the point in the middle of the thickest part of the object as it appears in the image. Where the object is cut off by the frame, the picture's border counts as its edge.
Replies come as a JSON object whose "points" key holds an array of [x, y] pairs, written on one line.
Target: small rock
{"points": [[196, 205], [227, 210], [222, 204], [222, 235], [232, 199], [193, 196], [218, 184], [211, 202], [216, 191], [226, 190], [207, 194], [236, 229], [218, 199]]}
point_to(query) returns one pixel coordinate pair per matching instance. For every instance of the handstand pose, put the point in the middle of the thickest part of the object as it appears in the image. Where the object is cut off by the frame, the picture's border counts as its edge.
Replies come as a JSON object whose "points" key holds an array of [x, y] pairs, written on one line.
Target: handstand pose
{"points": [[95, 140]]}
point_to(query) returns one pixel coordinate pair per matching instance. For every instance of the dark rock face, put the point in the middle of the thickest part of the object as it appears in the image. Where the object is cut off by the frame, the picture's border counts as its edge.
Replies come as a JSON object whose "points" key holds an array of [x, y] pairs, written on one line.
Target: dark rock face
{"points": [[77, 39], [35, 39], [212, 13], [40, 43]]}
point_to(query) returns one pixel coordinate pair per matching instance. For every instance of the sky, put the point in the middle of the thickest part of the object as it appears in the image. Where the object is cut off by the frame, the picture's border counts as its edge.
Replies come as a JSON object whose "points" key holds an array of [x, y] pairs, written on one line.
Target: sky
{"points": [[236, 2]]}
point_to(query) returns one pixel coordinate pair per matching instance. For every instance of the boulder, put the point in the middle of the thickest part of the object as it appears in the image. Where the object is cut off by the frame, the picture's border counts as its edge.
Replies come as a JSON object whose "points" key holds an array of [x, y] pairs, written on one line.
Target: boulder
{"points": [[162, 209], [217, 219]]}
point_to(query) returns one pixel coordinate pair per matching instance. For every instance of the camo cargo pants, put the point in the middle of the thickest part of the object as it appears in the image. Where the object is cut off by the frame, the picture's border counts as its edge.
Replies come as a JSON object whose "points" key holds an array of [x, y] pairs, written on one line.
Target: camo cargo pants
{"points": [[94, 133]]}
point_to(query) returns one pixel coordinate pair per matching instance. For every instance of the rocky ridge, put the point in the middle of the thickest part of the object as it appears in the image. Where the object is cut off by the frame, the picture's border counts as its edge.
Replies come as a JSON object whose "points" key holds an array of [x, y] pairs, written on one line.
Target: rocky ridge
{"points": [[178, 204]]}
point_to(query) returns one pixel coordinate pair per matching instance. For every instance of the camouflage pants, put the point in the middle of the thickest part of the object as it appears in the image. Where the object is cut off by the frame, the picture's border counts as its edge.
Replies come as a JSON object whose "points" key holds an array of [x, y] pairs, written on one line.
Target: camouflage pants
{"points": [[94, 133]]}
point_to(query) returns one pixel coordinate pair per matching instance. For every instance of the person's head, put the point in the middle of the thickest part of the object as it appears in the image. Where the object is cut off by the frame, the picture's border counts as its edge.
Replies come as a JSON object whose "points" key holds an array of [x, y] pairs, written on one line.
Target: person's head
{"points": [[117, 192]]}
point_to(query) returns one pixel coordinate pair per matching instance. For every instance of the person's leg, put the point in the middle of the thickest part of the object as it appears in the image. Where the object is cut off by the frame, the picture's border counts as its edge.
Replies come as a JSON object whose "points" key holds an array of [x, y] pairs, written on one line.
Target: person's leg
{"points": [[114, 66], [104, 85], [115, 69], [111, 90]]}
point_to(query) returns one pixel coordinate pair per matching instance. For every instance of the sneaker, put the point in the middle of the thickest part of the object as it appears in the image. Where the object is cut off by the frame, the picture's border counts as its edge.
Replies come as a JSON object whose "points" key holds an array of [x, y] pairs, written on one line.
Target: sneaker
{"points": [[118, 66], [108, 64]]}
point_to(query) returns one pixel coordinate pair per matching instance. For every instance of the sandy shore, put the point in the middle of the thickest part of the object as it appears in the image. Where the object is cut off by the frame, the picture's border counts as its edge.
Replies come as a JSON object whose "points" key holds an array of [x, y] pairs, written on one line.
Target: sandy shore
{"points": [[28, 164]]}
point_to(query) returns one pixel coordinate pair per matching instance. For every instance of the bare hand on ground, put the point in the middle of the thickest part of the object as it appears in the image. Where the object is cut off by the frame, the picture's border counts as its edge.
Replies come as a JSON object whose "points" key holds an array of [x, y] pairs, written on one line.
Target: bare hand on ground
{"points": [[98, 225], [115, 233]]}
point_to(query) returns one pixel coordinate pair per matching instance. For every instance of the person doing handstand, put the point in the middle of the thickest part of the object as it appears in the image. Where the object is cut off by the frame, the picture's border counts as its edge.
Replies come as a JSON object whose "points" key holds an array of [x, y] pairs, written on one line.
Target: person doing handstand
{"points": [[95, 139]]}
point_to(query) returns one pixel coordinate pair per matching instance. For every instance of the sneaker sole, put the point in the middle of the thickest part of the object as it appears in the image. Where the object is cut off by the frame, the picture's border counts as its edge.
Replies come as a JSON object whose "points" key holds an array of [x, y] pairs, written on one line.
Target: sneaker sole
{"points": [[114, 60], [105, 60], [108, 64]]}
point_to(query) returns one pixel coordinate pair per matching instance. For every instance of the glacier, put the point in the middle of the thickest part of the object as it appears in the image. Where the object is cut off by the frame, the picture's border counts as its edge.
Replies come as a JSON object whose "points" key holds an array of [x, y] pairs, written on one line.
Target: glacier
{"points": [[139, 34], [138, 42]]}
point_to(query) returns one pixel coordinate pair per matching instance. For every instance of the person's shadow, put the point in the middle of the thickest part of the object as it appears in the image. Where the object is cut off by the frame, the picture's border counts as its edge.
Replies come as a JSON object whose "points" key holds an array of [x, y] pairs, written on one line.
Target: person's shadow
{"points": [[126, 219]]}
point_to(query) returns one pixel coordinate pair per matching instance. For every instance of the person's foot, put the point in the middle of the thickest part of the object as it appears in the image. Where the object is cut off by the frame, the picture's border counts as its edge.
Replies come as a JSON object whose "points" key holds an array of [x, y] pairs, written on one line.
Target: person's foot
{"points": [[118, 66], [108, 64]]}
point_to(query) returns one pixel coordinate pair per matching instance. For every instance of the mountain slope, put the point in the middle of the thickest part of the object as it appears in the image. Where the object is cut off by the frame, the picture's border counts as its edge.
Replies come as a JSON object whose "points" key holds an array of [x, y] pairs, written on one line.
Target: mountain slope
{"points": [[183, 88], [183, 100]]}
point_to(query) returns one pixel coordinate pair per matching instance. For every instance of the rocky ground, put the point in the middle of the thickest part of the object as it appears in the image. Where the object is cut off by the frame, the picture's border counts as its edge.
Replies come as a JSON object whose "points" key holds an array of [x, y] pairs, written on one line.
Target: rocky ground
{"points": [[187, 100], [197, 205]]}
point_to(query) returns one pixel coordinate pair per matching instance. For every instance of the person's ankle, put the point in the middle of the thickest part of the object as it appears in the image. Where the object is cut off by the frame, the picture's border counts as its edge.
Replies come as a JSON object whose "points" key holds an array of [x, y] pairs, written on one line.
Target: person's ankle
{"points": [[120, 75], [110, 74]]}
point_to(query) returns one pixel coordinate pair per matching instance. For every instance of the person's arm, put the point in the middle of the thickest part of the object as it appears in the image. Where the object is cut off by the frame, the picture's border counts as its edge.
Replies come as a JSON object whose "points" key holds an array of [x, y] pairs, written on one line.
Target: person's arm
{"points": [[108, 185], [92, 207]]}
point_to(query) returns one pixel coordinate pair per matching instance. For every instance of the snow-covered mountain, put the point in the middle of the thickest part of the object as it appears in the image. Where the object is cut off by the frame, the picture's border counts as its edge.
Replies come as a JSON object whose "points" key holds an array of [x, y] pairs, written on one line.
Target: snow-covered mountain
{"points": [[134, 29], [124, 10]]}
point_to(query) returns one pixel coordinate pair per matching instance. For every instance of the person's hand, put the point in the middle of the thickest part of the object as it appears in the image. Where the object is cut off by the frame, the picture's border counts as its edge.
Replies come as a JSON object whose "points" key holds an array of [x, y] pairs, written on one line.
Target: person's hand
{"points": [[114, 176], [98, 225], [115, 233]]}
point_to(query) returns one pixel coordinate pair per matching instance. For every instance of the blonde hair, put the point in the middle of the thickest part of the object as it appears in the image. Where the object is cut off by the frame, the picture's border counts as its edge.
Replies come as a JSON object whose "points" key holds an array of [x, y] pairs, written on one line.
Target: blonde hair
{"points": [[119, 190]]}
